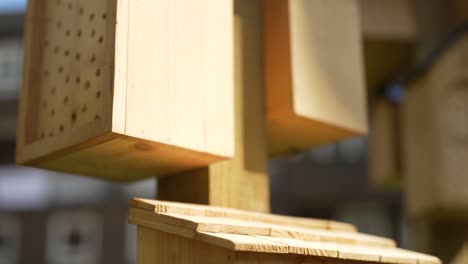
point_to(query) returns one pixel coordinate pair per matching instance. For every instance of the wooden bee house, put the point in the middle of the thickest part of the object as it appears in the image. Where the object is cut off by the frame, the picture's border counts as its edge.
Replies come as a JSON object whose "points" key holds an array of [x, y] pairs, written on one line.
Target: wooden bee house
{"points": [[183, 233], [435, 132], [315, 91], [126, 89]]}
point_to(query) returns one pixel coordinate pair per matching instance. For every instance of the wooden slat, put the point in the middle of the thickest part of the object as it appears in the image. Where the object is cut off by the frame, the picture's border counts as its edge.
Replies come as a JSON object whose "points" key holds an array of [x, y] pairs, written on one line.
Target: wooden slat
{"points": [[192, 209], [353, 252], [166, 222], [243, 242]]}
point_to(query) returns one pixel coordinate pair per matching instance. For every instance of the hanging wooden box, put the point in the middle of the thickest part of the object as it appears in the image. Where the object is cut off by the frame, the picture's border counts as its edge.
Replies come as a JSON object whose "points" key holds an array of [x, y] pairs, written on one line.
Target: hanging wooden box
{"points": [[315, 91], [435, 133], [183, 233], [126, 89]]}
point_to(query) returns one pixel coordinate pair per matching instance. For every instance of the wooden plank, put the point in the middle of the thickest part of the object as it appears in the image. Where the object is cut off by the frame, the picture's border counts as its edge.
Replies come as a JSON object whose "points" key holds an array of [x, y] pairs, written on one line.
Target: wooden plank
{"points": [[315, 91], [213, 211], [243, 242], [241, 182], [353, 252], [121, 93]]}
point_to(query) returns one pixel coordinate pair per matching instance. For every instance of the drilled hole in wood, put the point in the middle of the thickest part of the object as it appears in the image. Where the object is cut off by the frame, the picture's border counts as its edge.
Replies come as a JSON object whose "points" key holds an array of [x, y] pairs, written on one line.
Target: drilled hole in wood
{"points": [[51, 134], [65, 100], [70, 6], [91, 17], [46, 43], [83, 108], [67, 33], [59, 24], [78, 80], [81, 11], [61, 128], [78, 33], [44, 105], [60, 69], [52, 91], [77, 56], [67, 79], [93, 58], [98, 94], [73, 117], [52, 112], [96, 117], [101, 39], [93, 33], [66, 53], [98, 72], [87, 84], [104, 16]]}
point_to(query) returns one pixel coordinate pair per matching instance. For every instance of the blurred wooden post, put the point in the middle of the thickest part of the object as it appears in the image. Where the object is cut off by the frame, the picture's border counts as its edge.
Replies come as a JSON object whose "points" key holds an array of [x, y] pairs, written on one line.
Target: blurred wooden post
{"points": [[241, 182]]}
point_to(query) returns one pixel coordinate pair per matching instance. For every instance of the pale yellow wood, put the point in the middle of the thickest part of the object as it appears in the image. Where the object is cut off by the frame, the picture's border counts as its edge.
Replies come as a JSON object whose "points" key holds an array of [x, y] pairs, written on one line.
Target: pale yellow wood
{"points": [[222, 220], [213, 211], [389, 19], [353, 252], [315, 87], [241, 182], [243, 242], [180, 65], [152, 81]]}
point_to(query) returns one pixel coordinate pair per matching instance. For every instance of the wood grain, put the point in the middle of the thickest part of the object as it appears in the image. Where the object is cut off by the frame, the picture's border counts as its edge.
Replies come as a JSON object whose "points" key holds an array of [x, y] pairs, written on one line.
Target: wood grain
{"points": [[313, 74], [241, 182], [150, 81]]}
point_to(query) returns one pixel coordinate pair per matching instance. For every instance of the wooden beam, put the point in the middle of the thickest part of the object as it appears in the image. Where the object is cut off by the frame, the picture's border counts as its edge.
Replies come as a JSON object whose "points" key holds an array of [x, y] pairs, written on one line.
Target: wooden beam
{"points": [[241, 182]]}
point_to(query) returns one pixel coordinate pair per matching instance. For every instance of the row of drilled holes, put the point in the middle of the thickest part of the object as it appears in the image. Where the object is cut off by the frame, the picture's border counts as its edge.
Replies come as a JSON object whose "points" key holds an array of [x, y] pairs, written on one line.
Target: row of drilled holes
{"points": [[62, 127], [81, 11], [77, 56]]}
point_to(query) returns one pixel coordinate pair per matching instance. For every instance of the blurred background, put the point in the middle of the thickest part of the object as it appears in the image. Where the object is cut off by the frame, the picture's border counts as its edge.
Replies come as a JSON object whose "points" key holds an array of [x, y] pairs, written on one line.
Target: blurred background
{"points": [[364, 181]]}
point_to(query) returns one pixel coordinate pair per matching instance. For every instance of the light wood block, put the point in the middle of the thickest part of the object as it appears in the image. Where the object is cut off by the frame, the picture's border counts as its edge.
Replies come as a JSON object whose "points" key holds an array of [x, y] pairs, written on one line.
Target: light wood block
{"points": [[315, 91], [435, 132], [185, 233], [127, 89]]}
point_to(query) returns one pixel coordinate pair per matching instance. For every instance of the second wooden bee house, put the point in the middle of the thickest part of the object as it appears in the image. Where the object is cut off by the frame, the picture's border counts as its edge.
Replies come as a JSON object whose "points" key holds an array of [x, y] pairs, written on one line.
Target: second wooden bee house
{"points": [[126, 89], [435, 133], [315, 90]]}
